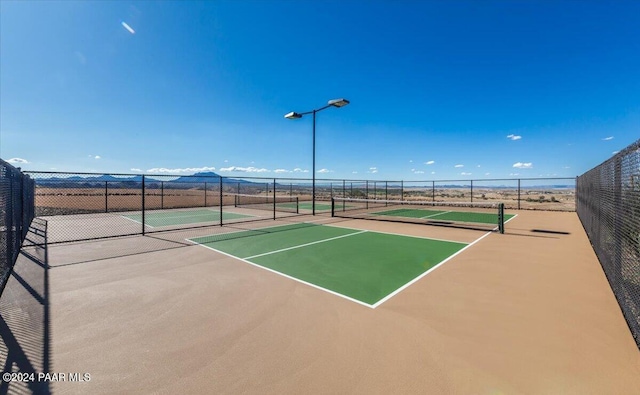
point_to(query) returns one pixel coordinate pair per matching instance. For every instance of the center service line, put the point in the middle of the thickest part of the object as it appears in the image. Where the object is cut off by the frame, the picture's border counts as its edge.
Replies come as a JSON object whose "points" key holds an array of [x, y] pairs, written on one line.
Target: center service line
{"points": [[304, 245]]}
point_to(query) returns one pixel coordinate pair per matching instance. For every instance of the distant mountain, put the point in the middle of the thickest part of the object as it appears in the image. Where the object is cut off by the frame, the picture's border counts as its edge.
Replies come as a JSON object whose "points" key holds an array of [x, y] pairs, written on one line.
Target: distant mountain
{"points": [[209, 176], [91, 180]]}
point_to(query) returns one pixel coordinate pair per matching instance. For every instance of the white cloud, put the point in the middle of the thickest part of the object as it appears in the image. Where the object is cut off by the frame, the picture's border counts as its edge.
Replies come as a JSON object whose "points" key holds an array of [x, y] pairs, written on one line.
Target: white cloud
{"points": [[238, 169], [325, 171], [183, 170], [373, 170], [136, 169], [487, 174], [410, 160], [478, 166], [614, 152], [433, 172], [97, 157], [126, 26], [514, 137], [566, 167], [281, 171], [607, 138], [354, 172], [18, 160], [418, 172], [520, 165], [430, 162], [465, 174], [226, 161], [514, 174], [299, 170], [458, 166]]}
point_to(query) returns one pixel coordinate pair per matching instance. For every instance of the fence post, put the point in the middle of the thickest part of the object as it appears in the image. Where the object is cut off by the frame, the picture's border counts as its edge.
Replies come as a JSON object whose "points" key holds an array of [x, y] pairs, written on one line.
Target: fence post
{"points": [[401, 190], [162, 194], [143, 206], [274, 198], [433, 191], [220, 181], [518, 194], [471, 191], [106, 196], [205, 194], [386, 190]]}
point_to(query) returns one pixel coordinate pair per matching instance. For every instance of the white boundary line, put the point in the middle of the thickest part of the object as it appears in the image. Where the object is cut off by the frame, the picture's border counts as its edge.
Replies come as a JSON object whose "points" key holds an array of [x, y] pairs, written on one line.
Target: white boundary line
{"points": [[286, 275], [397, 291], [306, 244], [378, 303], [433, 215], [190, 216], [402, 234]]}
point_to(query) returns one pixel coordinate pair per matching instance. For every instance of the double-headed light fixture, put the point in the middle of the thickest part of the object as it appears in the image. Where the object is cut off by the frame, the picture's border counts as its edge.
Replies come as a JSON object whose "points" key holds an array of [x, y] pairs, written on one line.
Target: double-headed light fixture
{"points": [[295, 115]]}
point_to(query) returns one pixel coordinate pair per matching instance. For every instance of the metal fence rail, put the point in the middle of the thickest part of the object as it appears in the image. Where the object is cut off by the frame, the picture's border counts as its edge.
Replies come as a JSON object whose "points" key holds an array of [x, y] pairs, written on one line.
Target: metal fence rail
{"points": [[608, 204], [17, 193], [85, 206]]}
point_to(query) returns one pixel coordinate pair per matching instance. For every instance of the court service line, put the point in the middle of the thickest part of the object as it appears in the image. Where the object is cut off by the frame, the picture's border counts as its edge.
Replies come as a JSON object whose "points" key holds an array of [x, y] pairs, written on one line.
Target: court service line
{"points": [[397, 291], [401, 234], [137, 222], [305, 245], [433, 215], [285, 275]]}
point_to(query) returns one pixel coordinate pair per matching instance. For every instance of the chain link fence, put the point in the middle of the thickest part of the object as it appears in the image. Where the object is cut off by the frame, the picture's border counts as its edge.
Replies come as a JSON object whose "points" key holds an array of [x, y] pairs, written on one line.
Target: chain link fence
{"points": [[16, 214], [608, 204]]}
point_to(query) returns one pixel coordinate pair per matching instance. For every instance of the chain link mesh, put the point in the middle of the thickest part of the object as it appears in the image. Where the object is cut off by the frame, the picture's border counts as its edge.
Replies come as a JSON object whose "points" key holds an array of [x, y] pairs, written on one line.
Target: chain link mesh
{"points": [[16, 213], [608, 204]]}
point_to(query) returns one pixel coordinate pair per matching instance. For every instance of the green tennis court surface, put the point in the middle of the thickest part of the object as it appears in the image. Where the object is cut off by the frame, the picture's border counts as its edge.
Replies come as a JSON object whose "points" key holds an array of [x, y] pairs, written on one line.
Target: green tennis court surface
{"points": [[364, 266], [168, 218], [319, 206], [445, 215]]}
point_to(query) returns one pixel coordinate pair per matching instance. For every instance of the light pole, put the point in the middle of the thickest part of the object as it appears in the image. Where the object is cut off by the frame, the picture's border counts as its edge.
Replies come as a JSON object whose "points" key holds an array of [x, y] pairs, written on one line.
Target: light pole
{"points": [[295, 115]]}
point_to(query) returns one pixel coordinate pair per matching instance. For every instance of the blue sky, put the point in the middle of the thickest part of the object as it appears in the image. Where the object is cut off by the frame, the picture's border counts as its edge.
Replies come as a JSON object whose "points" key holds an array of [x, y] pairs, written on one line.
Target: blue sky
{"points": [[438, 90]]}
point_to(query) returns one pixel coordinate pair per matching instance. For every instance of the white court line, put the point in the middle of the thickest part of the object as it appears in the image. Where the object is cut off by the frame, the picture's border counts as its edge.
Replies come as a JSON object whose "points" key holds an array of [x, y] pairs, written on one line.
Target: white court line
{"points": [[397, 291], [285, 275], [381, 301], [402, 234], [433, 215], [306, 244], [137, 222]]}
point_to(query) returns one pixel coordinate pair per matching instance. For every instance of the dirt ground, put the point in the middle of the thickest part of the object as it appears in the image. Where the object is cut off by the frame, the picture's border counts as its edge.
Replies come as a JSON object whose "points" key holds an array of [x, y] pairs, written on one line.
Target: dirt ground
{"points": [[527, 312]]}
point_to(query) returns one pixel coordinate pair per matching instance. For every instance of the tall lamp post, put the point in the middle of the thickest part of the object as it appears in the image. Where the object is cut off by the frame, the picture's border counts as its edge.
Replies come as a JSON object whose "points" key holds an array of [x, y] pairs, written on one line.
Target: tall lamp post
{"points": [[295, 115]]}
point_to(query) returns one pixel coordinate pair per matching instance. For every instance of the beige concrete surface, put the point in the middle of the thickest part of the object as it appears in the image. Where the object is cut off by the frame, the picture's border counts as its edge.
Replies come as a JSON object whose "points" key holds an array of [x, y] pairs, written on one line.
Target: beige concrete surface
{"points": [[520, 313]]}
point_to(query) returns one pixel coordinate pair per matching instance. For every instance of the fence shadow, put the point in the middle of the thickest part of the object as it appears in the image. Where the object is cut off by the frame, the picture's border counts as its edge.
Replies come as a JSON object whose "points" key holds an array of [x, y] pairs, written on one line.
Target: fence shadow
{"points": [[25, 315]]}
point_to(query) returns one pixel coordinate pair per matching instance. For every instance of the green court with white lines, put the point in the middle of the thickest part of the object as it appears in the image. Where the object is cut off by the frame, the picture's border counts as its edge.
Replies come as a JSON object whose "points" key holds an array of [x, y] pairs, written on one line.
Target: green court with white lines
{"points": [[364, 266], [173, 217]]}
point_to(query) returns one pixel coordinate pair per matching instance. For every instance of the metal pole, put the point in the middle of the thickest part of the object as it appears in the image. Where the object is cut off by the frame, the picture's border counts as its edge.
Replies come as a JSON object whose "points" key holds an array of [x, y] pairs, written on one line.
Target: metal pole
{"points": [[274, 198], [518, 194], [220, 182], [162, 194], [313, 186], [106, 194], [143, 208], [401, 190], [386, 190], [433, 191], [471, 191], [205, 194]]}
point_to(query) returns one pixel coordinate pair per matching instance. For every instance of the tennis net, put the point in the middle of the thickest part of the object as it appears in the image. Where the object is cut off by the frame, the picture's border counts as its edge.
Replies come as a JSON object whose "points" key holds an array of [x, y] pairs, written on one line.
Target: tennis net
{"points": [[282, 203], [481, 216]]}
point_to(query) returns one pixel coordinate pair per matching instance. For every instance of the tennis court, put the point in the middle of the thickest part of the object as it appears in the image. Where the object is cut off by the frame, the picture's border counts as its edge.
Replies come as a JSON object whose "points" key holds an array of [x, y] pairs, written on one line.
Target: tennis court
{"points": [[479, 215], [174, 217], [364, 266], [450, 215]]}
